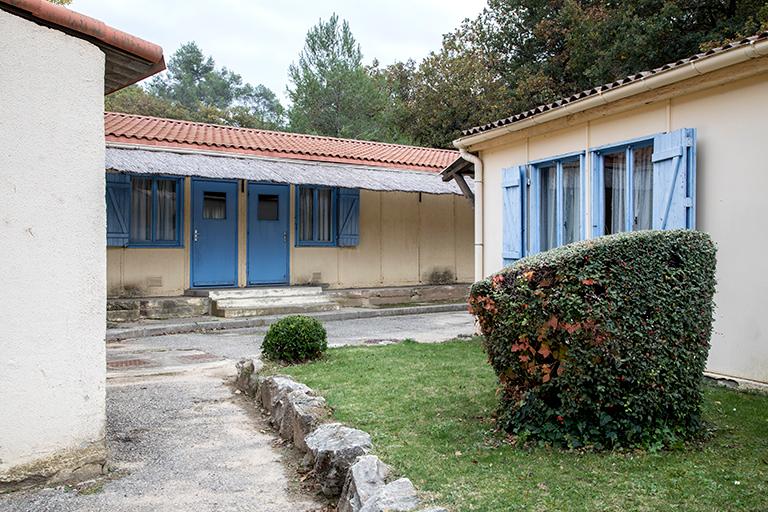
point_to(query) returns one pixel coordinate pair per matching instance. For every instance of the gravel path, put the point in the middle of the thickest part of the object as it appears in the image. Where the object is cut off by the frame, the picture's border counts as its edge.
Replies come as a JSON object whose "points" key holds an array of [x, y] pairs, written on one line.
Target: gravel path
{"points": [[184, 443], [180, 439]]}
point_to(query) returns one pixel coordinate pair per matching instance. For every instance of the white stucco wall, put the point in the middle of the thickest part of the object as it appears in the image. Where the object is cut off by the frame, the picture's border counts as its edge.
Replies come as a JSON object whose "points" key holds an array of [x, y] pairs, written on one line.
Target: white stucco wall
{"points": [[52, 260], [732, 179]]}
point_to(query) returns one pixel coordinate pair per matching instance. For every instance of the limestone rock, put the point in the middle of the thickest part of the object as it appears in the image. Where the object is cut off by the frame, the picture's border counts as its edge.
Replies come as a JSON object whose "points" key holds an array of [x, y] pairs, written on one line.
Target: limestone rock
{"points": [[247, 376], [398, 496], [302, 414], [366, 476], [333, 448], [273, 388]]}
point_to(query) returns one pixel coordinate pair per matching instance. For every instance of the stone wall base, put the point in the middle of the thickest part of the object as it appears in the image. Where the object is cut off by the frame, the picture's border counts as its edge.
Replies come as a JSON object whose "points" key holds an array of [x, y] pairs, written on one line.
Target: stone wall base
{"points": [[65, 467]]}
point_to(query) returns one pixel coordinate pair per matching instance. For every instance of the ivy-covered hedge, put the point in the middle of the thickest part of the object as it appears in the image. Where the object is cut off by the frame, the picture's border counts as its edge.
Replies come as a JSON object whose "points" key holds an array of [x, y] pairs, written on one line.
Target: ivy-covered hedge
{"points": [[602, 343]]}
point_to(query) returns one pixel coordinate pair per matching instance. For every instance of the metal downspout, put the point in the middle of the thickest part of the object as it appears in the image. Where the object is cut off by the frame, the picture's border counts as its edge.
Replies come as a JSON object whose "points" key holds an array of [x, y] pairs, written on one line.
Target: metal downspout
{"points": [[479, 246]]}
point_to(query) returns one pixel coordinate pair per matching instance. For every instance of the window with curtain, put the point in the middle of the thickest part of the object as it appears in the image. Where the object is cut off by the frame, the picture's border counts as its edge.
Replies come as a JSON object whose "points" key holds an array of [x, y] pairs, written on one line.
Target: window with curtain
{"points": [[615, 169], [316, 216], [141, 210], [155, 211], [642, 188], [571, 202], [554, 210], [627, 187], [547, 207]]}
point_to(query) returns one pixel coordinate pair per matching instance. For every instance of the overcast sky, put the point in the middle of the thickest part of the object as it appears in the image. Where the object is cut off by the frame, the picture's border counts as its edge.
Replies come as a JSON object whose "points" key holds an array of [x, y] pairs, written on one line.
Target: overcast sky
{"points": [[259, 39]]}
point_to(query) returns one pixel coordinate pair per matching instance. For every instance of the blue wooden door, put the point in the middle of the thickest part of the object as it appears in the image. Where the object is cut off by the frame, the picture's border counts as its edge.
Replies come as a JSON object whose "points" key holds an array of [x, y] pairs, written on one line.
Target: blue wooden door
{"points": [[267, 233], [214, 233]]}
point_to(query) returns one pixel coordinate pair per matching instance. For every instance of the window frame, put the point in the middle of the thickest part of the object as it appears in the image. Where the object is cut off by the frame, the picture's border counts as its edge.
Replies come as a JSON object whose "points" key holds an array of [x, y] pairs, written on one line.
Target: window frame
{"points": [[598, 181], [179, 241], [533, 242], [333, 242]]}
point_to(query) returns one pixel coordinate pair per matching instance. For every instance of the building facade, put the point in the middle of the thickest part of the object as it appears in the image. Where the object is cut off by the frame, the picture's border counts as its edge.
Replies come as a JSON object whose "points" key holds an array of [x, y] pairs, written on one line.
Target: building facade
{"points": [[56, 67], [201, 206], [677, 147]]}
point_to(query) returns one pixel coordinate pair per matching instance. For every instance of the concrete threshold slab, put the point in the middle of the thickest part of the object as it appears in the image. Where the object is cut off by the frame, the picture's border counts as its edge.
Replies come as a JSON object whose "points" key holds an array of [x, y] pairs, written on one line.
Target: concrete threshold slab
{"points": [[194, 325]]}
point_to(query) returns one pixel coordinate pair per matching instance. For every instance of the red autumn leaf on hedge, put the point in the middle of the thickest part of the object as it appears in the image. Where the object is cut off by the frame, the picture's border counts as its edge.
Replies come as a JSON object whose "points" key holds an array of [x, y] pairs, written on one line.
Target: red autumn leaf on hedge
{"points": [[571, 328], [552, 322], [588, 282], [524, 358], [528, 275], [546, 378], [544, 350]]}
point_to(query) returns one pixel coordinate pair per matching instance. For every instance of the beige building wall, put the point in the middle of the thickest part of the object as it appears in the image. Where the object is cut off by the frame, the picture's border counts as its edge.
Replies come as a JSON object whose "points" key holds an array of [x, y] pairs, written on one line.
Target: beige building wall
{"points": [[52, 264], [732, 179], [405, 239]]}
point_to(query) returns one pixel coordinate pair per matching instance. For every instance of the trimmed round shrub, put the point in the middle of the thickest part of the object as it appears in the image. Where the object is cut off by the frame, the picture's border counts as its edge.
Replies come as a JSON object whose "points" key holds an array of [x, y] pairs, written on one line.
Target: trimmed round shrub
{"points": [[602, 343], [295, 339]]}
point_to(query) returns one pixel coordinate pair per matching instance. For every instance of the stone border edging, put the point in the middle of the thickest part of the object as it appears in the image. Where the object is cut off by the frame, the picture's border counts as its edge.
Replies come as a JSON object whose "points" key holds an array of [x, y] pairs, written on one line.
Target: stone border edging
{"points": [[338, 455], [119, 334]]}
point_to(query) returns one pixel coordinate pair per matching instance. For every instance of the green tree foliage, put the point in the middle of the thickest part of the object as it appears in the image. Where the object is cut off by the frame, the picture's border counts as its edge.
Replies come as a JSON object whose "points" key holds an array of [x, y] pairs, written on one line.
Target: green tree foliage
{"points": [[518, 54], [134, 99], [332, 92], [194, 89]]}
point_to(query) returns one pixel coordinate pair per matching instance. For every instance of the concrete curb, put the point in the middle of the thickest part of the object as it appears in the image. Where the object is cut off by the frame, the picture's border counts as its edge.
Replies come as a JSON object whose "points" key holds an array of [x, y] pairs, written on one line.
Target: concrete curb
{"points": [[119, 334]]}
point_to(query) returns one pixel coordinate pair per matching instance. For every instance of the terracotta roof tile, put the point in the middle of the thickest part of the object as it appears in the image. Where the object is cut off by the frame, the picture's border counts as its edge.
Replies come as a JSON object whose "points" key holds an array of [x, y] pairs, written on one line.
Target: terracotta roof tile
{"points": [[154, 131]]}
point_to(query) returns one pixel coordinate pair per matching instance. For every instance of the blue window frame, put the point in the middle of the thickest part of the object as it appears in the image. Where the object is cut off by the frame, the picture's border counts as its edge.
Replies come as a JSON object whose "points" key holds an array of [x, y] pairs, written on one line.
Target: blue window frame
{"points": [[556, 198], [156, 211], [644, 183], [316, 213], [622, 187]]}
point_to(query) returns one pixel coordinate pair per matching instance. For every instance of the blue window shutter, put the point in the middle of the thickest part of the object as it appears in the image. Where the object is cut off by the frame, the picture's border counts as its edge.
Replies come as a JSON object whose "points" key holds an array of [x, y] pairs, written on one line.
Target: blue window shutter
{"points": [[118, 209], [674, 180], [349, 217], [513, 224]]}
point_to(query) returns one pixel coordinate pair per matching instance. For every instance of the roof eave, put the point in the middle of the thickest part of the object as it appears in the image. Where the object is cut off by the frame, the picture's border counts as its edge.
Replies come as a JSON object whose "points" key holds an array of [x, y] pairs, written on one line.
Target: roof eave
{"points": [[708, 64], [129, 59]]}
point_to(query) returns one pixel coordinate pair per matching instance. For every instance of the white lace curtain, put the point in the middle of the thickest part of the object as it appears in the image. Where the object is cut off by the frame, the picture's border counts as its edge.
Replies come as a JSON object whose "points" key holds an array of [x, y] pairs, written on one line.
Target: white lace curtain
{"points": [[615, 168], [548, 207], [306, 200], [571, 202], [166, 210], [642, 186], [324, 215], [141, 209]]}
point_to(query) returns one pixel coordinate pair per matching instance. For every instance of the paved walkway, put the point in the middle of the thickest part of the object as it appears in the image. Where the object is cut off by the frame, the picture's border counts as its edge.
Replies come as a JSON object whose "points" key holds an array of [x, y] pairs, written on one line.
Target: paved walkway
{"points": [[181, 439]]}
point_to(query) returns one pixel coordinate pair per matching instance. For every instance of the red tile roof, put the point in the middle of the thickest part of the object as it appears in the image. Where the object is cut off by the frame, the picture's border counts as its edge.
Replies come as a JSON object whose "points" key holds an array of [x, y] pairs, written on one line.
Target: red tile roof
{"points": [[128, 58], [154, 131]]}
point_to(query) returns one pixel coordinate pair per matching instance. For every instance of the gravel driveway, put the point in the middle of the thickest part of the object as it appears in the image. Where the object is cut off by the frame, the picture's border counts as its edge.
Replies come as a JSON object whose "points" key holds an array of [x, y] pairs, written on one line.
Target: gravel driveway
{"points": [[180, 439]]}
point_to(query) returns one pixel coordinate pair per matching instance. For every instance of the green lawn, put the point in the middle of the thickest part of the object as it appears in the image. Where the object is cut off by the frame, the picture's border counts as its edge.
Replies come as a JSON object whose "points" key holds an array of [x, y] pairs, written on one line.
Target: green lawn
{"points": [[428, 409]]}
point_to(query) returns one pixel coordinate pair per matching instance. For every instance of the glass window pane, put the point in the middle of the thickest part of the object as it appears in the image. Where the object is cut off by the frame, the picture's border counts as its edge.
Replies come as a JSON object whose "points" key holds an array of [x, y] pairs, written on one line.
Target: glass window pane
{"points": [[324, 215], [547, 208], [306, 205], [141, 209], [571, 202], [214, 205], [166, 210], [267, 208], [614, 168], [642, 188]]}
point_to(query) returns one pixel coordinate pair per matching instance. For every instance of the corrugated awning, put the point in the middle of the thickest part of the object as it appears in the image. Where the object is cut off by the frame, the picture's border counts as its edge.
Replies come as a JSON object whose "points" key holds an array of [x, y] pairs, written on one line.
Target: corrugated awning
{"points": [[274, 170]]}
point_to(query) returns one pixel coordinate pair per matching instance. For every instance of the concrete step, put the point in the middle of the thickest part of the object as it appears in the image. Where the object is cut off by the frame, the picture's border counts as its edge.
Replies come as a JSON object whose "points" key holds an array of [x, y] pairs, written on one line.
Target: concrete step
{"points": [[274, 301], [252, 293], [267, 310]]}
